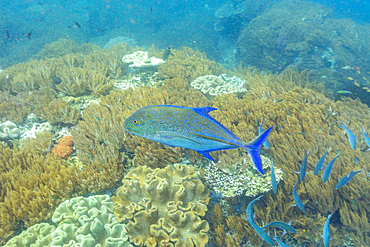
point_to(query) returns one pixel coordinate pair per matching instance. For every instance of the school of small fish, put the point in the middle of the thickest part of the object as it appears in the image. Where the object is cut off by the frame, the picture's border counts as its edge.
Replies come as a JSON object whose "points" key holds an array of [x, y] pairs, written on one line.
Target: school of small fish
{"points": [[194, 128]]}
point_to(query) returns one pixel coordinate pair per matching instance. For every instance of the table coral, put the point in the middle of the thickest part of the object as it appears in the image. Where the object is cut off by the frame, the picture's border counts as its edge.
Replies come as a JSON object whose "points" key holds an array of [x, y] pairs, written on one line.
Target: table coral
{"points": [[77, 222], [163, 206], [212, 85]]}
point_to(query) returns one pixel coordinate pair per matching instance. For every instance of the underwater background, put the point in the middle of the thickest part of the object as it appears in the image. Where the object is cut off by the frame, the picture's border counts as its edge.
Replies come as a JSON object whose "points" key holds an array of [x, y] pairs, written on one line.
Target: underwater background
{"points": [[71, 73]]}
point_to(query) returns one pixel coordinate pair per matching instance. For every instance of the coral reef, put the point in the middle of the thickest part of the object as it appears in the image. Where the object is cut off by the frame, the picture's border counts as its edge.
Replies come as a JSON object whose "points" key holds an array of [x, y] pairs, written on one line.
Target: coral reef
{"points": [[162, 207], [141, 60], [59, 111], [212, 85], [64, 147], [304, 35], [240, 178], [303, 119], [33, 182], [188, 65], [8, 130], [77, 222]]}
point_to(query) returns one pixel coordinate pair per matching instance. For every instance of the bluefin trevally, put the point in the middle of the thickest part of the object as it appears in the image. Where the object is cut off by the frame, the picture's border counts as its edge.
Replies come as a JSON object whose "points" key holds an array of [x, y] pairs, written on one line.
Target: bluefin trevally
{"points": [[296, 198], [281, 225], [344, 180], [328, 168], [302, 172], [273, 178], [367, 138], [320, 163], [191, 128], [350, 135], [326, 231], [260, 130]]}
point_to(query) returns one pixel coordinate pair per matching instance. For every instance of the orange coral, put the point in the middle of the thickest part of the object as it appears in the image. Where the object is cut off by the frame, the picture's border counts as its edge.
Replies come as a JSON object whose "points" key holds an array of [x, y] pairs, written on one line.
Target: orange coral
{"points": [[64, 147]]}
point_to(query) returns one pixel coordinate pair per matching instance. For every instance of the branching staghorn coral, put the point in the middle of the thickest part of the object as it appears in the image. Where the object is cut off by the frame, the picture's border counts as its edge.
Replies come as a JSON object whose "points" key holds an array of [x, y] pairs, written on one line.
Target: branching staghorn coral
{"points": [[59, 111]]}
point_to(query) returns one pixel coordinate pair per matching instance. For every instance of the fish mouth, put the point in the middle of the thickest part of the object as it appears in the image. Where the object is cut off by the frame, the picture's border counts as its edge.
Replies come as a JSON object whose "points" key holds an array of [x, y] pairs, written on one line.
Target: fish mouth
{"points": [[129, 130]]}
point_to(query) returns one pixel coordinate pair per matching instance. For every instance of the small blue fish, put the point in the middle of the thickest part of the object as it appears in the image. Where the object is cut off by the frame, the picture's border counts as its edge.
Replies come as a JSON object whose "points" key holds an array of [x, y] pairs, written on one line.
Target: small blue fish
{"points": [[280, 243], [326, 231], [302, 173], [347, 178], [328, 169], [260, 131], [262, 233], [273, 178], [249, 211], [191, 128], [281, 225], [250, 219], [296, 198], [351, 136], [367, 138], [320, 163]]}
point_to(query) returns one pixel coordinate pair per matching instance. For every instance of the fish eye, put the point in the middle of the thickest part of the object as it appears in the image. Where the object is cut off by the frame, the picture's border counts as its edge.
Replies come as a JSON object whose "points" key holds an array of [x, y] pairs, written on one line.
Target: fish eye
{"points": [[135, 121]]}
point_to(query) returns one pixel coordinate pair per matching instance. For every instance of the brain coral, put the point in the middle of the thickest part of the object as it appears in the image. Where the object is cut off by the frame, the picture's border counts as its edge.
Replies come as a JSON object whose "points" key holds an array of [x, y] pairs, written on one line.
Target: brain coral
{"points": [[77, 222], [162, 207]]}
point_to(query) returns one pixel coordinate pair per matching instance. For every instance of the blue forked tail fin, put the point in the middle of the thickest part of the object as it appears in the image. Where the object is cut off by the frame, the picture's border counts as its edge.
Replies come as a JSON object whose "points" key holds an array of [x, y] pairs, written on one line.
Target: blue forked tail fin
{"points": [[253, 149]]}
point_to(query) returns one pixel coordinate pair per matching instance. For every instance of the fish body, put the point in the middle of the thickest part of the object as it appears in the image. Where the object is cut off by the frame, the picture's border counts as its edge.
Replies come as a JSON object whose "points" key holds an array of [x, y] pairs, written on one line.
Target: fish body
{"points": [[328, 169], [281, 225], [320, 163], [249, 211], [296, 198], [303, 169], [273, 178], [250, 219], [326, 231], [344, 92], [347, 67], [280, 243], [263, 235], [367, 138], [191, 128], [343, 181], [260, 131], [351, 136]]}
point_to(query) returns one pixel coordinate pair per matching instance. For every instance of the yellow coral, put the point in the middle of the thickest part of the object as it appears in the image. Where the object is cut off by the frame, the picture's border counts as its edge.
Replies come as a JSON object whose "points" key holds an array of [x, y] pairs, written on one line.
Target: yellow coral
{"points": [[163, 205]]}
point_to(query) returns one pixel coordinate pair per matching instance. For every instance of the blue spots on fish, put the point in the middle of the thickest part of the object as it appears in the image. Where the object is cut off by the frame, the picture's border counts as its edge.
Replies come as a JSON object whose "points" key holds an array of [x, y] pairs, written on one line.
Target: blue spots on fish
{"points": [[260, 130], [273, 178], [303, 169], [320, 163], [328, 169], [208, 136], [326, 231], [367, 138], [350, 135], [296, 198], [343, 181]]}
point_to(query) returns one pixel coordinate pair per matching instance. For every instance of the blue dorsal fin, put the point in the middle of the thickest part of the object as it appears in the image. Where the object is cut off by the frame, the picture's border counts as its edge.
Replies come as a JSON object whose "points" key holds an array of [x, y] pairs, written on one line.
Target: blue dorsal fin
{"points": [[204, 110], [206, 154]]}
